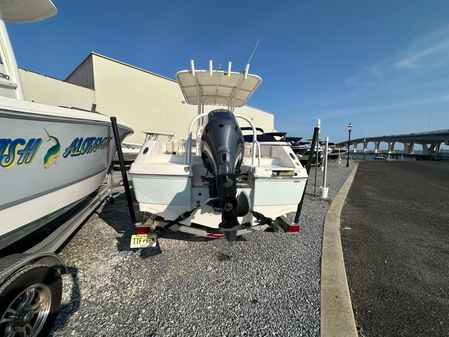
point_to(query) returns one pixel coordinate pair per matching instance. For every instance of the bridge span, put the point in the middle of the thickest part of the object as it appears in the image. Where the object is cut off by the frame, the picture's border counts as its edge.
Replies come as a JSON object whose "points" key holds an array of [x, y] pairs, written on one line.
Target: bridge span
{"points": [[430, 142]]}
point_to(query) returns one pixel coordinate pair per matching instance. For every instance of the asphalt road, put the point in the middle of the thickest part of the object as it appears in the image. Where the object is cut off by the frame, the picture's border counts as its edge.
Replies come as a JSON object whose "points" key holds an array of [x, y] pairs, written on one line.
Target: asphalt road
{"points": [[395, 236]]}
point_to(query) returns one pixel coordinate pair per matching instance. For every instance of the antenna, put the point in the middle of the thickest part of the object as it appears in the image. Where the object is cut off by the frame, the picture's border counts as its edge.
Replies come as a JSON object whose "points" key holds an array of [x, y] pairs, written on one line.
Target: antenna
{"points": [[49, 137], [254, 51]]}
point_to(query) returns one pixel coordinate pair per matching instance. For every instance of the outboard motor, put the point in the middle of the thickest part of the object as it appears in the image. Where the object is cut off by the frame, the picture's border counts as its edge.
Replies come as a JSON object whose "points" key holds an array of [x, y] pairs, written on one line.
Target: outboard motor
{"points": [[222, 148]]}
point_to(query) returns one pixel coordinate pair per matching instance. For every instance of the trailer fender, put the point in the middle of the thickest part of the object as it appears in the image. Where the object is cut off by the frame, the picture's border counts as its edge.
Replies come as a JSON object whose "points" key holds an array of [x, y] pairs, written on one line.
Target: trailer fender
{"points": [[11, 264]]}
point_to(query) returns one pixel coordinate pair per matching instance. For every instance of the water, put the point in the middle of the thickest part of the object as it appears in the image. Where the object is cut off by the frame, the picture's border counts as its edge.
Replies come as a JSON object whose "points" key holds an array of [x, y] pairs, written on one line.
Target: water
{"points": [[444, 154]]}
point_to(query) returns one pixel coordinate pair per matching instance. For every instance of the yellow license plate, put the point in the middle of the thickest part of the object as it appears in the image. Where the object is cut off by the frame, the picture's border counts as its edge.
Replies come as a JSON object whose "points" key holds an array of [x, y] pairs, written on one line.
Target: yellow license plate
{"points": [[143, 240]]}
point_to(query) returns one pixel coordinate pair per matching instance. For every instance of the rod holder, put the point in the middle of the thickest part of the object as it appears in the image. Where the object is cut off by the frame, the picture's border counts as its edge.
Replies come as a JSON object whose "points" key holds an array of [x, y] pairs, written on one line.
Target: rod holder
{"points": [[246, 71], [192, 67]]}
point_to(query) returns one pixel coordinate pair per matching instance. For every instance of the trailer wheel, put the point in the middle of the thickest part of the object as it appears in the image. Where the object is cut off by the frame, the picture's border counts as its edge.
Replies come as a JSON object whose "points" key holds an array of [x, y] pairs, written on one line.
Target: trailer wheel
{"points": [[29, 302]]}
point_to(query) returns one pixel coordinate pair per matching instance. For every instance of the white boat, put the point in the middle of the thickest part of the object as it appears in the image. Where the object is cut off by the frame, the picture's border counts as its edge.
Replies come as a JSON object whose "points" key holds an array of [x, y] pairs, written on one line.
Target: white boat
{"points": [[131, 150], [51, 158], [215, 184], [302, 150]]}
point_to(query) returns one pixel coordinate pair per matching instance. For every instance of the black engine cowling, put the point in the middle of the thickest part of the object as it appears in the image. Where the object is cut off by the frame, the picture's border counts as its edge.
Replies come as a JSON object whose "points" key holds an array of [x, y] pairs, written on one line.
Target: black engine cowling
{"points": [[222, 148]]}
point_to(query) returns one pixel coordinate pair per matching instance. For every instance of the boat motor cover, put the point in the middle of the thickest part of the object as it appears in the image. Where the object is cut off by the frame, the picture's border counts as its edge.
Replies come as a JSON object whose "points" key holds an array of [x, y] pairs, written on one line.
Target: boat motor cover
{"points": [[222, 143], [222, 147]]}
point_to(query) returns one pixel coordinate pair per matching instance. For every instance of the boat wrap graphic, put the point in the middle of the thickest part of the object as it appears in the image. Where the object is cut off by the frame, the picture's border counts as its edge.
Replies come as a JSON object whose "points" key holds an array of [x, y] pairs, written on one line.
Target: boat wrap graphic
{"points": [[18, 151], [40, 156], [81, 146], [52, 152]]}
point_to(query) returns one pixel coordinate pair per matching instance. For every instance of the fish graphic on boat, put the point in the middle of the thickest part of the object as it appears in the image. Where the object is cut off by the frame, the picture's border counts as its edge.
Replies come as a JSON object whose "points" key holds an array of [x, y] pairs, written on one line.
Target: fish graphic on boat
{"points": [[53, 152]]}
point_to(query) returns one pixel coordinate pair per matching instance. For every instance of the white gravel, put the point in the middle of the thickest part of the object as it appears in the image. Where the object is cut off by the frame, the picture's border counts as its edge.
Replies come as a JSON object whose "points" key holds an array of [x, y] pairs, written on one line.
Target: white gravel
{"points": [[267, 284]]}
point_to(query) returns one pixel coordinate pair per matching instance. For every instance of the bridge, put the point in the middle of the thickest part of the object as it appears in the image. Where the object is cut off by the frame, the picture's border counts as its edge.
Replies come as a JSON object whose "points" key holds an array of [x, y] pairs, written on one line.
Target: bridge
{"points": [[430, 142]]}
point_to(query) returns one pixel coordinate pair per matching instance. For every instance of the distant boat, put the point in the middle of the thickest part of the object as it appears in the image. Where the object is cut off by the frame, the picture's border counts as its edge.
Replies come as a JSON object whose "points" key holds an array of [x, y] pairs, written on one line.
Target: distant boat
{"points": [[379, 156], [302, 150], [263, 136], [334, 151]]}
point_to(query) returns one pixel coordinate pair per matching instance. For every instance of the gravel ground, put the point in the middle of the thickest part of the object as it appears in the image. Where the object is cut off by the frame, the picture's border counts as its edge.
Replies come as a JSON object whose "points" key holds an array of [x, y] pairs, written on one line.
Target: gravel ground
{"points": [[266, 284]]}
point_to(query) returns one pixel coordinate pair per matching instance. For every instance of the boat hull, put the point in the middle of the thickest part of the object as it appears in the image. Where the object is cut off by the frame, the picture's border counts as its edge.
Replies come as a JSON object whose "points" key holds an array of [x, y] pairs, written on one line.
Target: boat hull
{"points": [[170, 196], [47, 163]]}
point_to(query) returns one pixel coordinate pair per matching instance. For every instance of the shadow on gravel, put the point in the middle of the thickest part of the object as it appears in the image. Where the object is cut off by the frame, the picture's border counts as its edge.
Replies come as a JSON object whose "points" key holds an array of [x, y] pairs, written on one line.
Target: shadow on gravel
{"points": [[69, 309], [116, 215]]}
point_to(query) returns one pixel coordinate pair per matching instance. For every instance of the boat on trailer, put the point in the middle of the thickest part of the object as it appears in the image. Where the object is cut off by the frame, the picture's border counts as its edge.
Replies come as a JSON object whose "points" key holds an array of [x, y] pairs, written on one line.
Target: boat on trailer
{"points": [[50, 157], [215, 184], [53, 164]]}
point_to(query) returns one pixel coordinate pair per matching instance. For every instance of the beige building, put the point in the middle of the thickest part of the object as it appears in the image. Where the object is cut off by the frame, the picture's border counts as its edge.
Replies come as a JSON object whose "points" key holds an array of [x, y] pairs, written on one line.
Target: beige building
{"points": [[142, 99]]}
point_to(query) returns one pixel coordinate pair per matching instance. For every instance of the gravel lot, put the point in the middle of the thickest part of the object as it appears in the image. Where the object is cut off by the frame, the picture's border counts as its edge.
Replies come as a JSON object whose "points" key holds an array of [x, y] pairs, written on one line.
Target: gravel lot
{"points": [[267, 284]]}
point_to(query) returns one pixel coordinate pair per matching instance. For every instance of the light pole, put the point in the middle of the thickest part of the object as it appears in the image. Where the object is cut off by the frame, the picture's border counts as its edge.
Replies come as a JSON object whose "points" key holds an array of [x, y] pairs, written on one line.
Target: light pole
{"points": [[349, 142]]}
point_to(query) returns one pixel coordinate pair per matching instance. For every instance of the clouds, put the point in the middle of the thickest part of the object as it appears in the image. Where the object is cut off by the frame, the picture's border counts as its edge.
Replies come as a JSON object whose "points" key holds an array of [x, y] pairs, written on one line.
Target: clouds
{"points": [[424, 55], [430, 57], [394, 95], [430, 51]]}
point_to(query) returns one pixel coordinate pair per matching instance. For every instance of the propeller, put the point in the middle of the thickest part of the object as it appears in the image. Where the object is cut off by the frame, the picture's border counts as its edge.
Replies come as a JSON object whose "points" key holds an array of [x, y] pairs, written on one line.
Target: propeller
{"points": [[233, 208]]}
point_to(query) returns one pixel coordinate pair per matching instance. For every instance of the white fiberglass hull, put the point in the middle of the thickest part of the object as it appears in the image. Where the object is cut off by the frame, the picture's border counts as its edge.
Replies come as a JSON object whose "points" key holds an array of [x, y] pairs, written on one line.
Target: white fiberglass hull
{"points": [[168, 197], [166, 188], [50, 158]]}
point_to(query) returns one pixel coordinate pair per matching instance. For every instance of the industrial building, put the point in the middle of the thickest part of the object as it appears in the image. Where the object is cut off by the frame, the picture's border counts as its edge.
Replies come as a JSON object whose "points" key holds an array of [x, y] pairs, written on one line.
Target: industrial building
{"points": [[144, 100]]}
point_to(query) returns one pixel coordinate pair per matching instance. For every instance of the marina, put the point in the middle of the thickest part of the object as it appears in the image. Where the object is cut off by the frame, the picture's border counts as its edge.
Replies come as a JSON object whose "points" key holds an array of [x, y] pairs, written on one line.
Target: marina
{"points": [[162, 202]]}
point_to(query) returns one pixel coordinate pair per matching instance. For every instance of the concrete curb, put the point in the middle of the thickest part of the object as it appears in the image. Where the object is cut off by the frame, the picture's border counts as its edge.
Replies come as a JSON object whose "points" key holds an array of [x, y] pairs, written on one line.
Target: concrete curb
{"points": [[337, 318]]}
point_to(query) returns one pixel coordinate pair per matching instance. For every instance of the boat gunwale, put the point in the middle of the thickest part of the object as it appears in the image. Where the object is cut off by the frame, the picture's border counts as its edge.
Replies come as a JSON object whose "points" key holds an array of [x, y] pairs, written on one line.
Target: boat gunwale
{"points": [[28, 115]]}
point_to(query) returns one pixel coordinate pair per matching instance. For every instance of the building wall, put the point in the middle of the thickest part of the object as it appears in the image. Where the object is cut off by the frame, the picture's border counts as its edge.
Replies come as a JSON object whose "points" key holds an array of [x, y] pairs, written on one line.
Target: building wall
{"points": [[48, 90], [83, 75], [143, 100], [147, 101], [260, 118]]}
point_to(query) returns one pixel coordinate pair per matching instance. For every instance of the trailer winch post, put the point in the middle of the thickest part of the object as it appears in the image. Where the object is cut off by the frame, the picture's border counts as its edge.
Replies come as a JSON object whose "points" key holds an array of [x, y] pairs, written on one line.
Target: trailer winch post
{"points": [[316, 132], [122, 169]]}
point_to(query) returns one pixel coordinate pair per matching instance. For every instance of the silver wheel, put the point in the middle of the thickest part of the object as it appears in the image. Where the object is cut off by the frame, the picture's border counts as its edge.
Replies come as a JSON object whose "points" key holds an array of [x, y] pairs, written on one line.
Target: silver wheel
{"points": [[27, 313]]}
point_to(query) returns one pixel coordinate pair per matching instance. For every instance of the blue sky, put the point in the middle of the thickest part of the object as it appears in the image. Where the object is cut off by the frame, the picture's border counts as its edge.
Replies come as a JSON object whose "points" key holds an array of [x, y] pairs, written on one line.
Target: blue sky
{"points": [[382, 65]]}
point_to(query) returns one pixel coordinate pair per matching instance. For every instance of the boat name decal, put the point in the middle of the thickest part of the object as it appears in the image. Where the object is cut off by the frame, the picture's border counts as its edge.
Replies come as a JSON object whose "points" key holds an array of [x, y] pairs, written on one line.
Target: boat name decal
{"points": [[80, 145], [18, 151], [52, 152]]}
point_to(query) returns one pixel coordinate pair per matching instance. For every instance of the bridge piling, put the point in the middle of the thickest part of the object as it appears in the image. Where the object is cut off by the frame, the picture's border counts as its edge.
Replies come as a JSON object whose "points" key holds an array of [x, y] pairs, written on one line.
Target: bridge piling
{"points": [[391, 147], [430, 141], [376, 147]]}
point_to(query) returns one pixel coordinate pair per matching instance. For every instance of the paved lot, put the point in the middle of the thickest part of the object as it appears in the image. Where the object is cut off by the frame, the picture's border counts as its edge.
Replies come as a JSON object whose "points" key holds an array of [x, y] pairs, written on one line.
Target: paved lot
{"points": [[268, 284], [395, 235]]}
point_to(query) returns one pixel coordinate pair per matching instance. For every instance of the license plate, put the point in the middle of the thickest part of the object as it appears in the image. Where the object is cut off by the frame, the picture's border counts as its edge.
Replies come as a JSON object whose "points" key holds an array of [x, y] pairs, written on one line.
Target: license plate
{"points": [[143, 240]]}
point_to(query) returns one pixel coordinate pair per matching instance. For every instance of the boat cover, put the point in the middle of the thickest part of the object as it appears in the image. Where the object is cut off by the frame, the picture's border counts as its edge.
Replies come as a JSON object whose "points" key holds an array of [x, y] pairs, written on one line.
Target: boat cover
{"points": [[26, 10], [217, 87]]}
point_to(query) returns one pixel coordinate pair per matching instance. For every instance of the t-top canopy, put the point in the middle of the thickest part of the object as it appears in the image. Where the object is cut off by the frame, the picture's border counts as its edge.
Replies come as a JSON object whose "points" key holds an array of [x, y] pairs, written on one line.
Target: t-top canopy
{"points": [[216, 87], [26, 10]]}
